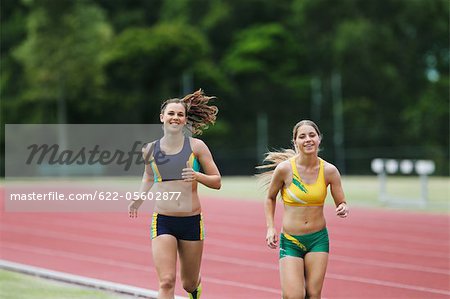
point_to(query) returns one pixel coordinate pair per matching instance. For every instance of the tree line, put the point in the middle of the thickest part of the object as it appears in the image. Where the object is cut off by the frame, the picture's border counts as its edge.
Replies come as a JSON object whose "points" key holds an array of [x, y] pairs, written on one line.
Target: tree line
{"points": [[373, 74]]}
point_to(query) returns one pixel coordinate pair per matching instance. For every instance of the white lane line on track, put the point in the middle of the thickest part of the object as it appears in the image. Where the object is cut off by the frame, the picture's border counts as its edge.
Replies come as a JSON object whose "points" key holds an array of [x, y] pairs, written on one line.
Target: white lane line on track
{"points": [[85, 258], [227, 282], [145, 249], [387, 284], [339, 244], [230, 230], [242, 285], [80, 280], [377, 263], [352, 233], [391, 249], [240, 232], [366, 223]]}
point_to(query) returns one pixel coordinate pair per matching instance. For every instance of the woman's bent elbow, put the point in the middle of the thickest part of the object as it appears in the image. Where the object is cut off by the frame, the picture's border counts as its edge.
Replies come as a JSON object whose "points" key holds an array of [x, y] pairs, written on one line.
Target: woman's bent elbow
{"points": [[218, 185]]}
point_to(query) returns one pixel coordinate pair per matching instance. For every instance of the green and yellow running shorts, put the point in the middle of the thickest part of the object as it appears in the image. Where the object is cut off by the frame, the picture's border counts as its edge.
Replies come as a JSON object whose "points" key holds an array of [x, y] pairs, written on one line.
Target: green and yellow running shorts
{"points": [[299, 246]]}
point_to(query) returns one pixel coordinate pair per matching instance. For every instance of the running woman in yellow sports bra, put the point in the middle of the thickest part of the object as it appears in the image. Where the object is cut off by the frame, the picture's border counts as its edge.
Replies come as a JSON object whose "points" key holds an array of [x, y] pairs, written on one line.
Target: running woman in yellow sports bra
{"points": [[302, 179], [174, 161]]}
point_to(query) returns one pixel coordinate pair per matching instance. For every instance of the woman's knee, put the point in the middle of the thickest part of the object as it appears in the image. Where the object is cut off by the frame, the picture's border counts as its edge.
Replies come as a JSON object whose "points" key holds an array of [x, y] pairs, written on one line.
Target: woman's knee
{"points": [[313, 292], [293, 295], [167, 282]]}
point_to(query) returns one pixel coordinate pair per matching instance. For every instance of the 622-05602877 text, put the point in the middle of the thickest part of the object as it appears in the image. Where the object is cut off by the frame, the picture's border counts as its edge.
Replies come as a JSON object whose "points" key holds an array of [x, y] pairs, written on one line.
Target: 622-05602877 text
{"points": [[97, 195]]}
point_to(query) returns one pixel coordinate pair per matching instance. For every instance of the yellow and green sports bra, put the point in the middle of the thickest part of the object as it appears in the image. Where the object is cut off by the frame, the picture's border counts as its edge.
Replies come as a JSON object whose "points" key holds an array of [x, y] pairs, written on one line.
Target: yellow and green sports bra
{"points": [[301, 194]]}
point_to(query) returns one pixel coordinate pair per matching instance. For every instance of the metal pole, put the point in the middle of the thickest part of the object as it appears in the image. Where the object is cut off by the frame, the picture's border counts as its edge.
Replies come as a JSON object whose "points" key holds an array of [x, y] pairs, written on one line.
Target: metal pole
{"points": [[316, 96], [62, 124], [187, 83], [424, 189], [338, 121], [262, 135], [383, 192]]}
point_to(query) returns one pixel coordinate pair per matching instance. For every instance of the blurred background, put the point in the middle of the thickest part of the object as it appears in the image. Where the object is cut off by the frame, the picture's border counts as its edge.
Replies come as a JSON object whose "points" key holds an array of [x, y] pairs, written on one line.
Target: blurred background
{"points": [[374, 75]]}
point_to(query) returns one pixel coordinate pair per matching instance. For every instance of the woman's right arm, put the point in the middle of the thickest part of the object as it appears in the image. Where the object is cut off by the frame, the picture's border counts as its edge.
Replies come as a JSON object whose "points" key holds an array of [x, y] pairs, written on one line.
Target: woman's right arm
{"points": [[270, 203], [146, 183]]}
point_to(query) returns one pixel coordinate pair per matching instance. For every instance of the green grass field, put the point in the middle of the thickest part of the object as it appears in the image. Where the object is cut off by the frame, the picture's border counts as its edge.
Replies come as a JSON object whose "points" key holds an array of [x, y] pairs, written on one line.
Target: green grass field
{"points": [[21, 286], [359, 191]]}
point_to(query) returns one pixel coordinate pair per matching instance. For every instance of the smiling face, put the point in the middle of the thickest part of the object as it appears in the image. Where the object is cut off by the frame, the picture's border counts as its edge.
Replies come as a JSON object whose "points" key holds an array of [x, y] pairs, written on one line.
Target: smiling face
{"points": [[307, 139], [173, 116]]}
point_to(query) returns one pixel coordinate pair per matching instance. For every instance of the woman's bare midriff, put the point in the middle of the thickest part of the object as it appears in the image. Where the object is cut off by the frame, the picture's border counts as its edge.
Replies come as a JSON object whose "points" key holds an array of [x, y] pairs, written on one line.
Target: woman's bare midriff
{"points": [[303, 220], [175, 198]]}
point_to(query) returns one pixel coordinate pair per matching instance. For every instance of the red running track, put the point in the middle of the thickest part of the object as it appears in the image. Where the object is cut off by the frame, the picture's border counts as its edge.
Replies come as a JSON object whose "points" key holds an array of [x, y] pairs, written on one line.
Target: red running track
{"points": [[374, 253]]}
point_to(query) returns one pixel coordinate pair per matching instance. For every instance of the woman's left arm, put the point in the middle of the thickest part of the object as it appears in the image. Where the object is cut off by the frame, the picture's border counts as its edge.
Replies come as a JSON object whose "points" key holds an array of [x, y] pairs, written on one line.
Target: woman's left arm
{"points": [[334, 179], [211, 177]]}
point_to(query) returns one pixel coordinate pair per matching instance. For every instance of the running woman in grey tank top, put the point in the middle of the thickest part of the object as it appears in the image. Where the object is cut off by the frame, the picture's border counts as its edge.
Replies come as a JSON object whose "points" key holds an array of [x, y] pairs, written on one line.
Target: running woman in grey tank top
{"points": [[180, 234]]}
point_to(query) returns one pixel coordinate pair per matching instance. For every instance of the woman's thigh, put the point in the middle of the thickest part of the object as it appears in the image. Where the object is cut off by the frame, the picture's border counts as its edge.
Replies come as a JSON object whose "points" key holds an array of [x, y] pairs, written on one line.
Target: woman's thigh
{"points": [[164, 251], [315, 268], [292, 277]]}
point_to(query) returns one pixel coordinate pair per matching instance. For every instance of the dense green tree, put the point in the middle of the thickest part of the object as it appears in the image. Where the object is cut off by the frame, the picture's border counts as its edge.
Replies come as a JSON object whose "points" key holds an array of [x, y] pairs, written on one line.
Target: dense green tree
{"points": [[147, 65], [13, 30], [123, 14], [267, 84], [114, 61], [60, 56]]}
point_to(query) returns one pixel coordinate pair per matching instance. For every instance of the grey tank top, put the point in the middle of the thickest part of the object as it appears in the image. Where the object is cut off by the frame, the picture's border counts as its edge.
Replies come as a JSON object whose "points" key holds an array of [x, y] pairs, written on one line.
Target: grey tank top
{"points": [[169, 167]]}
